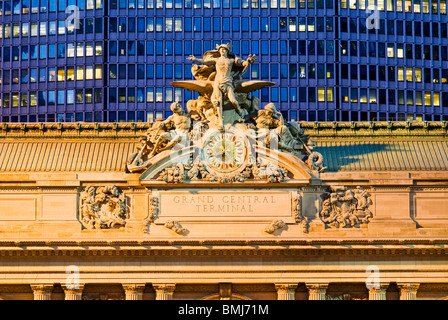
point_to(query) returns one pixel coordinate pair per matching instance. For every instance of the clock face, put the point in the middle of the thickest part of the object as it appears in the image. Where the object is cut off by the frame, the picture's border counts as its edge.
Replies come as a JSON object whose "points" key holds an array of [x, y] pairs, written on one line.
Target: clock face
{"points": [[225, 151]]}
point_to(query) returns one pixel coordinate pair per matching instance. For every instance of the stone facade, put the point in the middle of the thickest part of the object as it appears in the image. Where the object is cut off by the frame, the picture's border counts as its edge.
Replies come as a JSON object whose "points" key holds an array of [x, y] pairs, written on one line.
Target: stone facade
{"points": [[372, 232]]}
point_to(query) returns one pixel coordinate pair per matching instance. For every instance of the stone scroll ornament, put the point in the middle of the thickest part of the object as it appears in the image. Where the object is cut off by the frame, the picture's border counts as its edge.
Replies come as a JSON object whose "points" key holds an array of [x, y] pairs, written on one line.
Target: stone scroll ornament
{"points": [[209, 125], [346, 208], [102, 207]]}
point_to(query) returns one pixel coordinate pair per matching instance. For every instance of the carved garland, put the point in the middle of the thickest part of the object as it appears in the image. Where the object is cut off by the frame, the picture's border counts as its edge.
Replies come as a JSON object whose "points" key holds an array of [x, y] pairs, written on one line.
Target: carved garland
{"points": [[346, 208], [183, 173], [102, 207]]}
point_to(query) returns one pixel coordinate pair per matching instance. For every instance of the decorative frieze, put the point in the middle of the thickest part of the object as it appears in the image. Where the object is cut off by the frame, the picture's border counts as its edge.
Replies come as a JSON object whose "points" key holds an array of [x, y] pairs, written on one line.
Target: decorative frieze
{"points": [[102, 207], [346, 208]]}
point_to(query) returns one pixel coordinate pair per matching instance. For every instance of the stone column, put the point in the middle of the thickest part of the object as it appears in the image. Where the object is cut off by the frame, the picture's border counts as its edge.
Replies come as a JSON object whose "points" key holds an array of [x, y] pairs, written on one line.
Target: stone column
{"points": [[134, 291], [408, 291], [378, 293], [316, 291], [164, 291], [286, 291], [42, 291], [73, 292]]}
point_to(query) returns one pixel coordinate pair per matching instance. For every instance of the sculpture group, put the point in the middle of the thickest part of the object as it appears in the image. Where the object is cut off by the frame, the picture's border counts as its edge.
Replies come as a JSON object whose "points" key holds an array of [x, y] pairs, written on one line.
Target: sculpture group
{"points": [[223, 105]]}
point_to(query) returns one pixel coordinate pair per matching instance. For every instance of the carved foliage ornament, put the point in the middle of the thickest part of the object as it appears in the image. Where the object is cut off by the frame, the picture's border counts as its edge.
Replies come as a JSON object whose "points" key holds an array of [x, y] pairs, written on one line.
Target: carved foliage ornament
{"points": [[274, 225], [181, 173], [152, 214], [175, 226], [102, 207], [345, 208], [297, 212]]}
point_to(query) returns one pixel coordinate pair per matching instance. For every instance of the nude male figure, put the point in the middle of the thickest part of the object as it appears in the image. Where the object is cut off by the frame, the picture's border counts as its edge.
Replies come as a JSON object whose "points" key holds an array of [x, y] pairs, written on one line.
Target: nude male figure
{"points": [[182, 124], [223, 82]]}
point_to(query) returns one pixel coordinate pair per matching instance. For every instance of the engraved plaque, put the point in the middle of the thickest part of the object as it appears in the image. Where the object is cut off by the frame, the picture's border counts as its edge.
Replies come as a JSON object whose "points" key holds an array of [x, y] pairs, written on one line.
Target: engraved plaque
{"points": [[224, 205]]}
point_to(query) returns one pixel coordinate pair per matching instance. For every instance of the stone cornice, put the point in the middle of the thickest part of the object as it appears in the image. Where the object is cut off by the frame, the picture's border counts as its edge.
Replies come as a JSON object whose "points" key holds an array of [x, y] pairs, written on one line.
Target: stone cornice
{"points": [[300, 247], [390, 129], [133, 130], [153, 243]]}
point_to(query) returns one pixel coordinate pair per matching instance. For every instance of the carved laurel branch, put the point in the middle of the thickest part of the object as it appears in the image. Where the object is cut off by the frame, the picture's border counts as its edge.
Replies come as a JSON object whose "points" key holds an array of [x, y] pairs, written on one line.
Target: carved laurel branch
{"points": [[175, 226], [152, 213], [346, 208], [274, 225]]}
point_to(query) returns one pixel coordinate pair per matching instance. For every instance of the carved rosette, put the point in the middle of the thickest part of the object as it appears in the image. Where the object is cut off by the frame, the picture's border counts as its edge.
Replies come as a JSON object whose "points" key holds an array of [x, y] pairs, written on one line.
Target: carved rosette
{"points": [[102, 207], [346, 208]]}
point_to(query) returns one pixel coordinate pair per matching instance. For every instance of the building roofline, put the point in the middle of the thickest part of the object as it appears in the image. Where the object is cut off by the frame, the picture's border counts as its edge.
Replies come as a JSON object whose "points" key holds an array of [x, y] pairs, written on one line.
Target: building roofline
{"points": [[133, 130]]}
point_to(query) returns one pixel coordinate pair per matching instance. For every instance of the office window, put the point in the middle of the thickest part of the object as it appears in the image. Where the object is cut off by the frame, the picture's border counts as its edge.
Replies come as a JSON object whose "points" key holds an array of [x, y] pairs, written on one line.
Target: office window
{"points": [[363, 95], [321, 94], [79, 73], [427, 98], [400, 52], [400, 74], [390, 50]]}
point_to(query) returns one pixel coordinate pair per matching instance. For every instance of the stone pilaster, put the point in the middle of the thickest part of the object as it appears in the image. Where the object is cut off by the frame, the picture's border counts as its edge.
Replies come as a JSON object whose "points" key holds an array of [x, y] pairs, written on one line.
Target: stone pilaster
{"points": [[378, 293], [225, 291], [408, 291], [42, 291], [134, 291], [316, 291], [286, 291], [164, 291], [73, 292]]}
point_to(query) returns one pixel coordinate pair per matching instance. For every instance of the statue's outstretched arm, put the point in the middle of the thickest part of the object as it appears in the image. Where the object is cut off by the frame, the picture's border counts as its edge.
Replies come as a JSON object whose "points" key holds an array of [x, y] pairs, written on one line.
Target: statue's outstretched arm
{"points": [[201, 61]]}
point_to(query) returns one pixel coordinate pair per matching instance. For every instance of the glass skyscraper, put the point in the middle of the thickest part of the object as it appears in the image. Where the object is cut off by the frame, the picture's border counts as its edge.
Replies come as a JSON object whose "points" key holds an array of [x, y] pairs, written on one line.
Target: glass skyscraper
{"points": [[113, 60]]}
